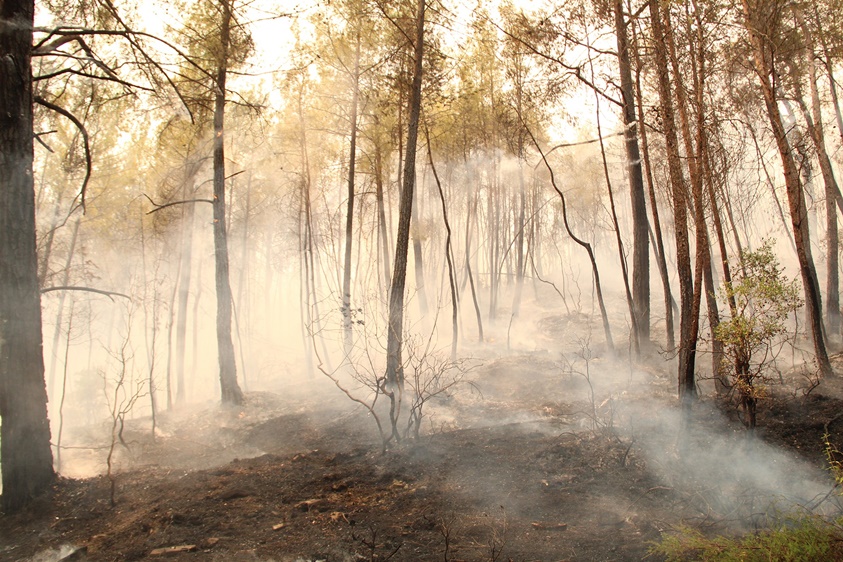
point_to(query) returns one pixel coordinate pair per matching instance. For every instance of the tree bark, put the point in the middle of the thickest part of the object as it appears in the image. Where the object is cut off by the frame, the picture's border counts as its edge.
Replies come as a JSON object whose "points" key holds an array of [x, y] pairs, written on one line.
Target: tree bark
{"points": [[661, 260], [231, 393], [25, 431], [765, 68], [814, 121], [687, 341], [640, 242], [395, 334]]}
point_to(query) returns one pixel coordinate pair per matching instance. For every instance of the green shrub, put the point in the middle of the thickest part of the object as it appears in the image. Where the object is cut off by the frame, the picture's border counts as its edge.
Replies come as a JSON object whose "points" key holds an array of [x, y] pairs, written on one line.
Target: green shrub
{"points": [[761, 299]]}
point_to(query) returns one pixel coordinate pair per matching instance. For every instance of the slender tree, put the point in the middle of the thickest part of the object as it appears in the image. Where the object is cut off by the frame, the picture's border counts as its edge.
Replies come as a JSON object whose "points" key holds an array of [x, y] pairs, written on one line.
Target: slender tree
{"points": [[231, 393], [761, 21], [640, 245], [394, 362]]}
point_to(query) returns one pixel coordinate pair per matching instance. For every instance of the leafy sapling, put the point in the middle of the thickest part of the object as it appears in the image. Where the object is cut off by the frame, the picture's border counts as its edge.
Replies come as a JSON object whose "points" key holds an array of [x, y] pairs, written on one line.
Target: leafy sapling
{"points": [[764, 299]]}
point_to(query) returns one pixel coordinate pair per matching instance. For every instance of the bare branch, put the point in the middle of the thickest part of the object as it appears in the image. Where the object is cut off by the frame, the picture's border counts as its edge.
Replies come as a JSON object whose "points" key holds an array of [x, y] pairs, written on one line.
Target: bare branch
{"points": [[89, 75], [158, 207], [109, 294], [85, 141]]}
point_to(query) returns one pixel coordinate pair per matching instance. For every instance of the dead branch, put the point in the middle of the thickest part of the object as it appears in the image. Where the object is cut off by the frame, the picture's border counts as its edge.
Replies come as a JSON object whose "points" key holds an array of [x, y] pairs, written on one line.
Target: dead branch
{"points": [[109, 294], [158, 206], [85, 142]]}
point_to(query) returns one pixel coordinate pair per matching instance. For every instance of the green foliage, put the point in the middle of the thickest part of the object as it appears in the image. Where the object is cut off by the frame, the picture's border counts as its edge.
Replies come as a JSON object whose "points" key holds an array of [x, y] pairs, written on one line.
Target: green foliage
{"points": [[761, 298], [764, 299], [804, 540]]}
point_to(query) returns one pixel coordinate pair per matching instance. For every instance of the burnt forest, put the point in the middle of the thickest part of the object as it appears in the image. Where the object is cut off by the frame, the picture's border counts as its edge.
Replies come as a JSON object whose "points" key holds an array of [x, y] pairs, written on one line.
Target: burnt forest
{"points": [[421, 280]]}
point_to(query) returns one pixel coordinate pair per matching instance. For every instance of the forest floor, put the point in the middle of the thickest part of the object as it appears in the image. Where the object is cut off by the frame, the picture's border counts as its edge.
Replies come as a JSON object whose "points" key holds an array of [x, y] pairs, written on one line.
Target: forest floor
{"points": [[540, 459]]}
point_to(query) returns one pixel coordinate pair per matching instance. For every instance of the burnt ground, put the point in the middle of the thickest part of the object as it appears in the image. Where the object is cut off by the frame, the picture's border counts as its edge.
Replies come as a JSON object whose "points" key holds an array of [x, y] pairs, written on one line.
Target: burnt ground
{"points": [[563, 466]]}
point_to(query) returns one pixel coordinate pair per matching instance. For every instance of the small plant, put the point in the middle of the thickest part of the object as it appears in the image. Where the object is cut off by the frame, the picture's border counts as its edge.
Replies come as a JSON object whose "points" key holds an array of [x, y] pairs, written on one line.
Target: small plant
{"points": [[762, 299]]}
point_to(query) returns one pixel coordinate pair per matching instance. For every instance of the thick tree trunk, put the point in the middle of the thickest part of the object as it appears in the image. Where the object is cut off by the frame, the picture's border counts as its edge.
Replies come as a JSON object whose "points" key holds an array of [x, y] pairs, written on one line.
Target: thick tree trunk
{"points": [[640, 242], [765, 67], [395, 333], [231, 393], [27, 460]]}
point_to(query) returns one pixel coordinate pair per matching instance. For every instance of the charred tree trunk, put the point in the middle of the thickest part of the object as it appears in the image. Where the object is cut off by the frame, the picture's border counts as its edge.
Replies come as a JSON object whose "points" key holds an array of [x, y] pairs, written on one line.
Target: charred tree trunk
{"points": [[231, 393], [687, 339], [640, 243], [694, 143], [25, 432], [395, 333], [661, 260]]}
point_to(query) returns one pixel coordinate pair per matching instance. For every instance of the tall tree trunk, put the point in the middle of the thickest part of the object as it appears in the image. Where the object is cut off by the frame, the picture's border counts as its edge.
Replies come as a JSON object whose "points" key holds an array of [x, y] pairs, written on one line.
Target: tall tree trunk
{"points": [[185, 269], [764, 68], [814, 121], [661, 258], [395, 335], [25, 432], [633, 313], [694, 155], [640, 246], [349, 220], [687, 341], [231, 393]]}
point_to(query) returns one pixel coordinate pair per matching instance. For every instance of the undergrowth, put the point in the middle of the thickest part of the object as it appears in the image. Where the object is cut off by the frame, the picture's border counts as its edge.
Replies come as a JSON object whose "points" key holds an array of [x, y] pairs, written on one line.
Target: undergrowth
{"points": [[807, 538]]}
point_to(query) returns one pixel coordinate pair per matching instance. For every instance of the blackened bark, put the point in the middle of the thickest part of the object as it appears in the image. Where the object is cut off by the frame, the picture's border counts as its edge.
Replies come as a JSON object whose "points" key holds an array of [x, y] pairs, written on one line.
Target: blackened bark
{"points": [[640, 242], [687, 341], [231, 393], [661, 260], [25, 432], [395, 334]]}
